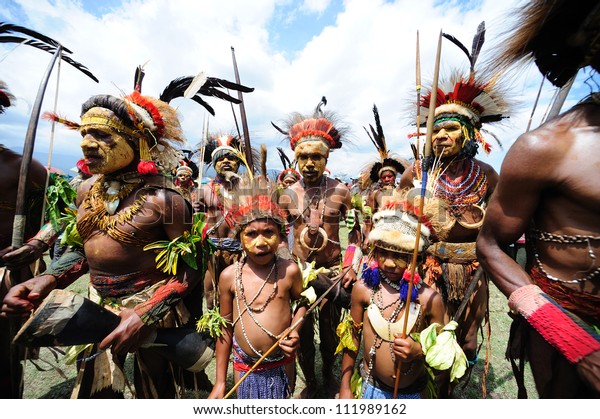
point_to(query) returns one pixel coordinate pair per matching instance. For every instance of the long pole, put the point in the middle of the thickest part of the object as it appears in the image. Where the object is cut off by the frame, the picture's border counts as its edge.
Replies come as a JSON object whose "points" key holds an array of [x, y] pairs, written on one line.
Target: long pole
{"points": [[247, 147], [418, 88], [16, 372], [20, 216], [425, 167]]}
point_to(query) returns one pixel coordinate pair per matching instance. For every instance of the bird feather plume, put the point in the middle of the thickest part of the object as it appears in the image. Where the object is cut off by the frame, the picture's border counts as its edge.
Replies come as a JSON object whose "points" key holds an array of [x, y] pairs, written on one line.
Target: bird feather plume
{"points": [[195, 85], [40, 41], [478, 41], [263, 160]]}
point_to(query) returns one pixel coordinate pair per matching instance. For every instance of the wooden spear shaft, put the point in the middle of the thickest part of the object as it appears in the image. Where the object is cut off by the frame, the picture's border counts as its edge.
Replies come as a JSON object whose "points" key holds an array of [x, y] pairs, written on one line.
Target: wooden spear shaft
{"points": [[247, 147], [20, 215], [426, 156], [418, 87], [288, 331]]}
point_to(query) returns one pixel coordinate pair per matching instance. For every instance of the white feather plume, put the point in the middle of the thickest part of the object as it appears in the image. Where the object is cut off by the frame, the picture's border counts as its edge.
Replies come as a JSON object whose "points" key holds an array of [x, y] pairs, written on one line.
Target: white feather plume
{"points": [[195, 85]]}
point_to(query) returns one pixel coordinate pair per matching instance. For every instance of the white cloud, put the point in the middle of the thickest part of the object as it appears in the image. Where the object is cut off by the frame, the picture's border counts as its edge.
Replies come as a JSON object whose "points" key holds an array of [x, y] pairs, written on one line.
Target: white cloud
{"points": [[366, 57]]}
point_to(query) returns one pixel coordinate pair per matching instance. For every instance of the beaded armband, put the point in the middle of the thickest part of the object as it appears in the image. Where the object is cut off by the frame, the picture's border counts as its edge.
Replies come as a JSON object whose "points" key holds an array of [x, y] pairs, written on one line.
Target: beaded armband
{"points": [[567, 333], [68, 268], [156, 307], [347, 331]]}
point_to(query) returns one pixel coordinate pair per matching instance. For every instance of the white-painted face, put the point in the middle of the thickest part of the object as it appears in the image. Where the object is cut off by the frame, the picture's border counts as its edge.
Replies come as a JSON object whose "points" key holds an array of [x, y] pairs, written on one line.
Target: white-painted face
{"points": [[312, 159]]}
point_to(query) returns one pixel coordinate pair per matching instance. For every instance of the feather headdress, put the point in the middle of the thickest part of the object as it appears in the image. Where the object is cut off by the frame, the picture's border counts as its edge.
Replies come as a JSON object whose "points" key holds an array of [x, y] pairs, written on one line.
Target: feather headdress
{"points": [[255, 198], [321, 126], [39, 41], [473, 100], [6, 97], [395, 224], [289, 167], [560, 36], [386, 161]]}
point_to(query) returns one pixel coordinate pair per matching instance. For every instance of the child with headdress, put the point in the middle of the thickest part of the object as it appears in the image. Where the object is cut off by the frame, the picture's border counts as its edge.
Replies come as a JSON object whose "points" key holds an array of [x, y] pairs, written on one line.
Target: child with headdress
{"points": [[256, 295], [378, 310]]}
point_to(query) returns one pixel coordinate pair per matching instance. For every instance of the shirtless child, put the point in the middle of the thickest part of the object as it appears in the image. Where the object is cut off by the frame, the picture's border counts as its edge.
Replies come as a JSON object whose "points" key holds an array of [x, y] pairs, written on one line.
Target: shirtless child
{"points": [[378, 307], [255, 296]]}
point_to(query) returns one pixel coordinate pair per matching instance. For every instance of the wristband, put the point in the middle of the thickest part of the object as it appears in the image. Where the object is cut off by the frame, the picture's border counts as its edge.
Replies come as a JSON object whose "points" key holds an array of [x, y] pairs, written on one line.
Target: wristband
{"points": [[567, 333], [46, 235], [68, 268]]}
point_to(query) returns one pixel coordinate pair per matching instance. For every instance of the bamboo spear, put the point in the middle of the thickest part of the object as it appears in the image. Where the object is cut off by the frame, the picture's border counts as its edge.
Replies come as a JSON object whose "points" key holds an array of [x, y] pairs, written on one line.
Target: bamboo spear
{"points": [[425, 167], [418, 88], [288, 331], [247, 148]]}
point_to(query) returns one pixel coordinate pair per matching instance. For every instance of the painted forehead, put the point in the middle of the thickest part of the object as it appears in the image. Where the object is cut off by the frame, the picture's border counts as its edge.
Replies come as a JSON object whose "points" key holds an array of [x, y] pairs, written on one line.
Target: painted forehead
{"points": [[312, 147]]}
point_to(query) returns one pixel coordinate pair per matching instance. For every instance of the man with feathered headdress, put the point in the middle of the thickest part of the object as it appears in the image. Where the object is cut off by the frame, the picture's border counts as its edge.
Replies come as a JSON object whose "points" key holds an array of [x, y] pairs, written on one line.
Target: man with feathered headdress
{"points": [[378, 178], [315, 206], [130, 145], [464, 105], [548, 190], [224, 153]]}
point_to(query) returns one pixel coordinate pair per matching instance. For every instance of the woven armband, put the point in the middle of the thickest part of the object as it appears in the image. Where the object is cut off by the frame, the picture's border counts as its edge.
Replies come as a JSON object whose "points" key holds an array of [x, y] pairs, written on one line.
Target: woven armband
{"points": [[46, 235], [156, 307], [68, 268], [567, 333]]}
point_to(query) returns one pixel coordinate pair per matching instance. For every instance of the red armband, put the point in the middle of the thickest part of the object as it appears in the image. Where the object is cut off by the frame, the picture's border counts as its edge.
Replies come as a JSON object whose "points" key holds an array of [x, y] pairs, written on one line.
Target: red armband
{"points": [[154, 309], [570, 335], [349, 256]]}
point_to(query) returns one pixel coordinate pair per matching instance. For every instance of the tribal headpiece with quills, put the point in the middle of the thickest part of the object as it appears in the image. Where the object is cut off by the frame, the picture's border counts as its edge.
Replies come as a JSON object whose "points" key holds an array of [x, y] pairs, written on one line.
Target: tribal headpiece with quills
{"points": [[151, 124], [320, 126], [386, 161], [473, 100], [289, 170], [6, 97]]}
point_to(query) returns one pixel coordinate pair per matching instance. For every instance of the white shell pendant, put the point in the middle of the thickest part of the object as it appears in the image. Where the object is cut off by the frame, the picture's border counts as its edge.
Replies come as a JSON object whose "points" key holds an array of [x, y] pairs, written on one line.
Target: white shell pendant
{"points": [[113, 196], [111, 206]]}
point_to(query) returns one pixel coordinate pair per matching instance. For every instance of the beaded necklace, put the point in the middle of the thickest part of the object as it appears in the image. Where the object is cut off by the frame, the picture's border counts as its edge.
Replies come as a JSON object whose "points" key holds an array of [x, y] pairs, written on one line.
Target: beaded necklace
{"points": [[239, 295], [377, 299], [468, 189]]}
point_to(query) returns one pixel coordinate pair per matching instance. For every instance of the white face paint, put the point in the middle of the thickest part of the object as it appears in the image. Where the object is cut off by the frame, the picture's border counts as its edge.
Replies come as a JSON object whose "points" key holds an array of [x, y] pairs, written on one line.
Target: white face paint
{"points": [[312, 159]]}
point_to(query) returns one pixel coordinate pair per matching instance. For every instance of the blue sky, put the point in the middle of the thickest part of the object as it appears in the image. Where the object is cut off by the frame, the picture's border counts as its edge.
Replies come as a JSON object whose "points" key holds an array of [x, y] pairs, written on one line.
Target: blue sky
{"points": [[355, 52]]}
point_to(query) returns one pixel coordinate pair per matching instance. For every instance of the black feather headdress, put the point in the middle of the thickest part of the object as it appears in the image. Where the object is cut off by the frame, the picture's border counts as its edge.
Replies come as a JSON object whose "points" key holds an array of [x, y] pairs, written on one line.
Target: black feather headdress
{"points": [[474, 99], [39, 41], [372, 172], [178, 87]]}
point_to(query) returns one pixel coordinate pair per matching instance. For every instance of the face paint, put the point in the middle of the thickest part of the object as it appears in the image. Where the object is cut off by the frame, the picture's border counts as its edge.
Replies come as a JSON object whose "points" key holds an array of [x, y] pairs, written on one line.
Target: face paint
{"points": [[183, 178], [312, 159], [387, 177], [447, 138], [105, 150], [392, 263], [260, 240], [227, 163]]}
